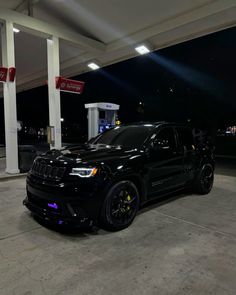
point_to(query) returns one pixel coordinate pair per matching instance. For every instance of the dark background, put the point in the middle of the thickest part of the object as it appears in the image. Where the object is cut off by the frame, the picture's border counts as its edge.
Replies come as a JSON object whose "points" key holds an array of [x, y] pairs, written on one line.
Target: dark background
{"points": [[193, 81]]}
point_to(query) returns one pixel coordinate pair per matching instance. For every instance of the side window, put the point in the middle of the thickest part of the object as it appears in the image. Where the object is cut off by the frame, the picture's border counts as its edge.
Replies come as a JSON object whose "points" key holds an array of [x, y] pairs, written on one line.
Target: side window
{"points": [[185, 138], [166, 137]]}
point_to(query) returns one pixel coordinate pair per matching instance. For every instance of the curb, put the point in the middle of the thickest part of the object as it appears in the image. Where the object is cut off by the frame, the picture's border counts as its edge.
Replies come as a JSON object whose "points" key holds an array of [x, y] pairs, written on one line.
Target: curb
{"points": [[6, 177], [226, 157]]}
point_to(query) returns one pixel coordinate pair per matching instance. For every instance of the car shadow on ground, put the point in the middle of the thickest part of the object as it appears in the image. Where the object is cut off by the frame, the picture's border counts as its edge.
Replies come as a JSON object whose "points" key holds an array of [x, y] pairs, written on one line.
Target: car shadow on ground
{"points": [[80, 232], [83, 232], [163, 200]]}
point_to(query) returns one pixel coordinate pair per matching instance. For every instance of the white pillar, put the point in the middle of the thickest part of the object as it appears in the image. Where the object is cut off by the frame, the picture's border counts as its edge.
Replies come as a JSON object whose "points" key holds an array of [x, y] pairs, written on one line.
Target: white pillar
{"points": [[53, 93], [93, 117], [9, 92]]}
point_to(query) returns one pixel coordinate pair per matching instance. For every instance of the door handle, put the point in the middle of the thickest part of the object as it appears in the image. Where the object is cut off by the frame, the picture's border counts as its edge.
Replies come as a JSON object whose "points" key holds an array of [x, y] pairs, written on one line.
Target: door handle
{"points": [[180, 153]]}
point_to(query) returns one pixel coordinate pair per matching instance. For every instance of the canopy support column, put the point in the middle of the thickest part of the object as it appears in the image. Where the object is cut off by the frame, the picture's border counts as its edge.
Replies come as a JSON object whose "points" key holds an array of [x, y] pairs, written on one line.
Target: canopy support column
{"points": [[9, 93], [53, 93]]}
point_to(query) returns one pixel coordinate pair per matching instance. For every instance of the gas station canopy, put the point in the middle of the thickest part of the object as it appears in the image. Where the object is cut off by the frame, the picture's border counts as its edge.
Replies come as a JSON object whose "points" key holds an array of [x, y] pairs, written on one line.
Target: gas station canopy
{"points": [[44, 40], [104, 31]]}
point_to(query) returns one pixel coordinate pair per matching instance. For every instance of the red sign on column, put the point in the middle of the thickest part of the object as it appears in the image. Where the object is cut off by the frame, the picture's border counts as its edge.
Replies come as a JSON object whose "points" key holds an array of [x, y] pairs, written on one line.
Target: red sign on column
{"points": [[68, 85], [12, 74], [3, 74]]}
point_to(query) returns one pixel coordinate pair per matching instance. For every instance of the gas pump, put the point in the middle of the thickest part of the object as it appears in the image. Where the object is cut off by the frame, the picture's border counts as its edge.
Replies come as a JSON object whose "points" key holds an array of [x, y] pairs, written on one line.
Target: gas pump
{"points": [[101, 116]]}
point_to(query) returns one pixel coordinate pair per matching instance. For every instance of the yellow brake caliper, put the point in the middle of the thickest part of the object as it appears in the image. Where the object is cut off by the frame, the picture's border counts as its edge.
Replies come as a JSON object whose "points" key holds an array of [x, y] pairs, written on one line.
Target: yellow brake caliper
{"points": [[128, 199]]}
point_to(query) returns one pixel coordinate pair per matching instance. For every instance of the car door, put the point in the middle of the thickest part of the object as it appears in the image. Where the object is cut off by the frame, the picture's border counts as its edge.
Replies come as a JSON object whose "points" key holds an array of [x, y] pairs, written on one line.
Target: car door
{"points": [[165, 162], [186, 142]]}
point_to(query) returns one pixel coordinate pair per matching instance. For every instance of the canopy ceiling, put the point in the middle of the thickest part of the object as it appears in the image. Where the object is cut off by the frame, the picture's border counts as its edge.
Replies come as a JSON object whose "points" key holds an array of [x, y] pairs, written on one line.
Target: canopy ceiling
{"points": [[104, 30]]}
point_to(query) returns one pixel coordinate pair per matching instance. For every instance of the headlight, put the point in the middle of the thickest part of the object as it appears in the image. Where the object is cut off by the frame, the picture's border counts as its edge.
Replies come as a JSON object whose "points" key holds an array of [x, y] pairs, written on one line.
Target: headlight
{"points": [[84, 172]]}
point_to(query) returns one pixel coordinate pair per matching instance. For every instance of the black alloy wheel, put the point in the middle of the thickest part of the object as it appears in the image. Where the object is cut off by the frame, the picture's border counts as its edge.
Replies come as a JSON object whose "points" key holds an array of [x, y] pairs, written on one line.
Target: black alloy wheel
{"points": [[120, 206], [205, 179]]}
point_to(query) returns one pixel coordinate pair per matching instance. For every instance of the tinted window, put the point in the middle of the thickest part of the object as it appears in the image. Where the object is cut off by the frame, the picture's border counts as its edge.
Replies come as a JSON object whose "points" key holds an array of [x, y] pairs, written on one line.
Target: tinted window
{"points": [[126, 136], [166, 137], [185, 137]]}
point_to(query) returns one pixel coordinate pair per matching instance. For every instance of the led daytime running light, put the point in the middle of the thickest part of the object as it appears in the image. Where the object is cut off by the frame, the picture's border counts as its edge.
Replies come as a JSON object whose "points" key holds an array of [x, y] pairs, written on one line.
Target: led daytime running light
{"points": [[84, 172]]}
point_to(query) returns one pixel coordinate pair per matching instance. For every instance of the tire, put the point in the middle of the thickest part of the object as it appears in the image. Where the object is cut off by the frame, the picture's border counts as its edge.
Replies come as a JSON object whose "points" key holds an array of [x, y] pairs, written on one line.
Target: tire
{"points": [[204, 180], [120, 206]]}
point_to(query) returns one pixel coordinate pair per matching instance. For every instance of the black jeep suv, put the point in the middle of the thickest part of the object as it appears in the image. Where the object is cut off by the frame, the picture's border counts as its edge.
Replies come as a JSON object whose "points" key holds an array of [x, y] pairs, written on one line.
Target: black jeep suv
{"points": [[107, 179]]}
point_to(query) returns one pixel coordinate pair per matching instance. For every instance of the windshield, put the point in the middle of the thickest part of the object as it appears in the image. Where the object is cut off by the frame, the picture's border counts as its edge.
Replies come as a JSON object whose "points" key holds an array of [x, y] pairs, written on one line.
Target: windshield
{"points": [[125, 136]]}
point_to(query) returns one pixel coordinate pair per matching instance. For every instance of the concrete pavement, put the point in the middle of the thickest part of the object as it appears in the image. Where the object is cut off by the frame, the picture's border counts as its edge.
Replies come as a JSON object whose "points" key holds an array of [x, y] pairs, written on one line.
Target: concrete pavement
{"points": [[182, 245]]}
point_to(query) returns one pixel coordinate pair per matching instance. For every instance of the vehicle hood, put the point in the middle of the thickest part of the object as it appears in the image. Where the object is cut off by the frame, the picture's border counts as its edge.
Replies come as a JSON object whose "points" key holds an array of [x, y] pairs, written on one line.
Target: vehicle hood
{"points": [[91, 154]]}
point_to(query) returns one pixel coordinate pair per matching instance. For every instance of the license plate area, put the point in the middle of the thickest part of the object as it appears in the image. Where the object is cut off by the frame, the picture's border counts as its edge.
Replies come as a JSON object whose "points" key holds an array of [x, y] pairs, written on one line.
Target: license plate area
{"points": [[45, 204]]}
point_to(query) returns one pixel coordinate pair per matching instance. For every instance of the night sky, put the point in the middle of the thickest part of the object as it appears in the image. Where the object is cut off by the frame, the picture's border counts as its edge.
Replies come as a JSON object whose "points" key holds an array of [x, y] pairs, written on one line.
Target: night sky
{"points": [[194, 80]]}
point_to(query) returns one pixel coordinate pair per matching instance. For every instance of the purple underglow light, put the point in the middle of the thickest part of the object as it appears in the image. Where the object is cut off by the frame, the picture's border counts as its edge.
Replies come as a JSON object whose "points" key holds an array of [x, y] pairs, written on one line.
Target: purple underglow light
{"points": [[53, 205], [60, 222]]}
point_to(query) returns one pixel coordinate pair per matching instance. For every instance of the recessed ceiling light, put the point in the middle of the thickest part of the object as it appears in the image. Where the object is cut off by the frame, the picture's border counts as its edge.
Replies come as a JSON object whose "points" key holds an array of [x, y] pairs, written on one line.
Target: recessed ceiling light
{"points": [[93, 66], [142, 49], [16, 30]]}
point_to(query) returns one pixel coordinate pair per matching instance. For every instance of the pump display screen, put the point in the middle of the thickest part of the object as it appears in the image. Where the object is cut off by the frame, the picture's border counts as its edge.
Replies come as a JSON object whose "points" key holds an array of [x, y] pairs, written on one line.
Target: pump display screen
{"points": [[103, 127], [102, 114]]}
